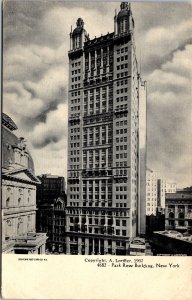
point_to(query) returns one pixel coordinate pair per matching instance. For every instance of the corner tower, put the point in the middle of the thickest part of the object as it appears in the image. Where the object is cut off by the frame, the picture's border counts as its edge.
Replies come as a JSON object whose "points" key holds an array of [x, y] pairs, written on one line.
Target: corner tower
{"points": [[78, 36], [124, 22]]}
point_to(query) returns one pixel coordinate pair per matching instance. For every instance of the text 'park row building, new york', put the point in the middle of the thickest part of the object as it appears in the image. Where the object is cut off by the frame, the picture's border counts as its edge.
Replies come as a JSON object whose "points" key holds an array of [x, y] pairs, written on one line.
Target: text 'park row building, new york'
{"points": [[106, 140]]}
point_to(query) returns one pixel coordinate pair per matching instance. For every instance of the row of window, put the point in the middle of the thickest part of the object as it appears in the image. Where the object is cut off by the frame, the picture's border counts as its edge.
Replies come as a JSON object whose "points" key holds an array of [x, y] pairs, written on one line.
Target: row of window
{"points": [[74, 152], [122, 66], [121, 123], [122, 82], [75, 101], [121, 114], [121, 164], [75, 137], [121, 197], [121, 156], [121, 172], [74, 159], [76, 78], [118, 91], [95, 212], [18, 203], [121, 205], [121, 131], [75, 86], [75, 108], [121, 140], [76, 71], [75, 93], [121, 99], [96, 221], [75, 64], [122, 50], [122, 58], [118, 243], [74, 145], [122, 74], [74, 167]]}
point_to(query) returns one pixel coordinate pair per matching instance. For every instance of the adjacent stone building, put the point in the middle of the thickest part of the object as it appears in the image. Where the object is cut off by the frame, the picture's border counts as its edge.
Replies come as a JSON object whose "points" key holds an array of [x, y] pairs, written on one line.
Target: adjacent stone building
{"points": [[50, 217], [178, 210], [18, 195], [51, 187], [106, 140]]}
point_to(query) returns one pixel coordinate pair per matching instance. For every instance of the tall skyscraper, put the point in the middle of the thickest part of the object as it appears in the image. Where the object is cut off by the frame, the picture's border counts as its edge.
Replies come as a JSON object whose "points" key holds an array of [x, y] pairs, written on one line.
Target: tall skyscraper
{"points": [[106, 136]]}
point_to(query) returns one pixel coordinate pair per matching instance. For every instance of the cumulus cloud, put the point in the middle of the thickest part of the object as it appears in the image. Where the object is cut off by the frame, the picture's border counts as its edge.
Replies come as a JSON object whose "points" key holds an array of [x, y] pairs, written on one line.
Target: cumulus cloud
{"points": [[52, 130], [36, 41], [169, 118], [160, 43]]}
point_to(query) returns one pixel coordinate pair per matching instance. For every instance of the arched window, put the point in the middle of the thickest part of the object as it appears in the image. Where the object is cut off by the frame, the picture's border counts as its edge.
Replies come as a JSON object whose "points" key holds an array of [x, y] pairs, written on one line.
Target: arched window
{"points": [[20, 227], [20, 197], [7, 202], [29, 196], [20, 192], [29, 223], [171, 215], [181, 219], [8, 230], [171, 221], [181, 215]]}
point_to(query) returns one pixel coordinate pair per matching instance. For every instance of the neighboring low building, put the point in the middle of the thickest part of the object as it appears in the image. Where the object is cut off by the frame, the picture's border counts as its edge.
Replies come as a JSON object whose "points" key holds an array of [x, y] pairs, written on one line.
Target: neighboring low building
{"points": [[155, 223], [172, 242], [51, 219], [156, 188], [51, 187], [164, 187], [151, 192], [18, 195], [178, 210], [140, 247]]}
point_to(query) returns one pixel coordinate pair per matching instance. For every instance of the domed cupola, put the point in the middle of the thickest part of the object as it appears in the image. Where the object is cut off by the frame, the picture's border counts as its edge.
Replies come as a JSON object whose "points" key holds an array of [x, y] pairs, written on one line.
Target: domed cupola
{"points": [[124, 22], [78, 35]]}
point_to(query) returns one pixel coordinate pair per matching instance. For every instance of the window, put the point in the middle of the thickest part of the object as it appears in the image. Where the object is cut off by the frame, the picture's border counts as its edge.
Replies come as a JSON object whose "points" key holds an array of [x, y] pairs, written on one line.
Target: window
{"points": [[7, 202], [117, 222], [124, 232], [124, 223]]}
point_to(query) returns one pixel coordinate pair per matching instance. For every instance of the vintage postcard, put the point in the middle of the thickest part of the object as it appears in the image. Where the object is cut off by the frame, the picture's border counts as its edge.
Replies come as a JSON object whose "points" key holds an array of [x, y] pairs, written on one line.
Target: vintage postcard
{"points": [[96, 150]]}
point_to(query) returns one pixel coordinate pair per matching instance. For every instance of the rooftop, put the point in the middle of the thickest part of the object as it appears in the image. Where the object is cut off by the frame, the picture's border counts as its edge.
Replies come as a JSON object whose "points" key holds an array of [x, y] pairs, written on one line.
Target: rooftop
{"points": [[176, 235], [8, 122], [178, 196]]}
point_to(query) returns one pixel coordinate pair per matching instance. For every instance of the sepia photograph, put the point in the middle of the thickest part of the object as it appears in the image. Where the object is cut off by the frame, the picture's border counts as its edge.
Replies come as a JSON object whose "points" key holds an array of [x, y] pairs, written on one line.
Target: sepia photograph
{"points": [[96, 128]]}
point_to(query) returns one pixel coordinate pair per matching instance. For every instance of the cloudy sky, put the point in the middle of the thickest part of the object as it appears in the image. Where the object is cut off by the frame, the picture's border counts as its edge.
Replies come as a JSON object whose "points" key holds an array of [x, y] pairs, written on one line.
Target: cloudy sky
{"points": [[36, 41]]}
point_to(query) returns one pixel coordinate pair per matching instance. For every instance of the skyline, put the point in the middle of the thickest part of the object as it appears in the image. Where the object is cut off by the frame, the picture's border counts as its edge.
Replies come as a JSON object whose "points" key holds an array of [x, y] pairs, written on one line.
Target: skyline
{"points": [[37, 47]]}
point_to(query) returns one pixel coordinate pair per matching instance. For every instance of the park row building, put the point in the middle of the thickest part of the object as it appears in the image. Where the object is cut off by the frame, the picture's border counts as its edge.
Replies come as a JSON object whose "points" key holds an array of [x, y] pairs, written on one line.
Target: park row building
{"points": [[106, 141]]}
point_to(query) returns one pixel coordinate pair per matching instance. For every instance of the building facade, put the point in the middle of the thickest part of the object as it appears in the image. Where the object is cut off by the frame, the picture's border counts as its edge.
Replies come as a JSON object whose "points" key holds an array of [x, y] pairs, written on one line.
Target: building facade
{"points": [[151, 192], [51, 187], [178, 211], [104, 208], [163, 187], [18, 195], [50, 216], [156, 188], [51, 219]]}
